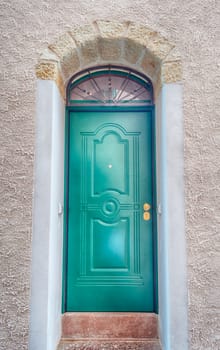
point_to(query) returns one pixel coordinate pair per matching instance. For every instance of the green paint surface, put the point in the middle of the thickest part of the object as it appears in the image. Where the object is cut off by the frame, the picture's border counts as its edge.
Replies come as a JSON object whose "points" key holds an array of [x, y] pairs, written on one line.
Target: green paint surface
{"points": [[109, 246]]}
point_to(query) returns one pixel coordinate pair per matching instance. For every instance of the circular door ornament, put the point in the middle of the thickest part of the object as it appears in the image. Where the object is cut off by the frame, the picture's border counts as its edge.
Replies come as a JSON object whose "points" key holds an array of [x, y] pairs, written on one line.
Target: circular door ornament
{"points": [[110, 208]]}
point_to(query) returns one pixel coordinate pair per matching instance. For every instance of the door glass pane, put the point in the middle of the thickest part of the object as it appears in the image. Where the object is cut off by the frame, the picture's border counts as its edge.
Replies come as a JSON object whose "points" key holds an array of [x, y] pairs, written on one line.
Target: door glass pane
{"points": [[110, 87]]}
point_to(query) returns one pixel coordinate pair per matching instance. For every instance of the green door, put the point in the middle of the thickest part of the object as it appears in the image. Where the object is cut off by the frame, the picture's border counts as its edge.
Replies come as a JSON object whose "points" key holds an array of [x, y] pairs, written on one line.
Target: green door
{"points": [[110, 244]]}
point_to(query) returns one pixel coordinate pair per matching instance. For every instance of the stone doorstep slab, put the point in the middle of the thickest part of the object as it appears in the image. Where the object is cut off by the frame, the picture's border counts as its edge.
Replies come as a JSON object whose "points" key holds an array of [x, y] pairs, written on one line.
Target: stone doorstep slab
{"points": [[110, 345], [109, 325]]}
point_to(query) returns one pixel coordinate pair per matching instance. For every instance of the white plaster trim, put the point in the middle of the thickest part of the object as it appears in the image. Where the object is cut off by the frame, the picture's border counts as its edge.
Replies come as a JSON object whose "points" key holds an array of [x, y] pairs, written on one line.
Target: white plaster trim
{"points": [[171, 224], [45, 320], [47, 224]]}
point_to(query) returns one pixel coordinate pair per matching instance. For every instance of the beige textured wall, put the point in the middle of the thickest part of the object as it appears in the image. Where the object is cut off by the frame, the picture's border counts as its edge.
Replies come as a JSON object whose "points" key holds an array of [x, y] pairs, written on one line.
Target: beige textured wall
{"points": [[27, 27]]}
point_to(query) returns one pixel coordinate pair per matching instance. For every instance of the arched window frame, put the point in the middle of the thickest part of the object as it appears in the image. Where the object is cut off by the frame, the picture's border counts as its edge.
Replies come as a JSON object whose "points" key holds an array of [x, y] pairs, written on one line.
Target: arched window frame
{"points": [[122, 87]]}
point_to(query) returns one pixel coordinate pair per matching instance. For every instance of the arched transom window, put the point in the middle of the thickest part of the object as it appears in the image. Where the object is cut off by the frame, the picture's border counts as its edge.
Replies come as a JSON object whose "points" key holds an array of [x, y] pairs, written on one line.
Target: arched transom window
{"points": [[109, 85]]}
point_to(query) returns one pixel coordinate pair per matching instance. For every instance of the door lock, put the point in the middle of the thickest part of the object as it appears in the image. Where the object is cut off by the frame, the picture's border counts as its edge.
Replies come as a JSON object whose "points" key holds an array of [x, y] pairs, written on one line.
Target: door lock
{"points": [[146, 214]]}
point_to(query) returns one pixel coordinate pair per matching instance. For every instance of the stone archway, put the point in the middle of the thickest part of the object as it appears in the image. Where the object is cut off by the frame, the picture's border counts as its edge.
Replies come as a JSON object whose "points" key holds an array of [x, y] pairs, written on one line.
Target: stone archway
{"points": [[138, 47], [101, 42]]}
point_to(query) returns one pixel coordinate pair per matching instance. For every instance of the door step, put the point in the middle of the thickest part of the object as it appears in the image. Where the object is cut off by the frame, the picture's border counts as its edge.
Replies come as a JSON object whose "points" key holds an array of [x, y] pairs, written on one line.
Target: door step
{"points": [[118, 344], [109, 331]]}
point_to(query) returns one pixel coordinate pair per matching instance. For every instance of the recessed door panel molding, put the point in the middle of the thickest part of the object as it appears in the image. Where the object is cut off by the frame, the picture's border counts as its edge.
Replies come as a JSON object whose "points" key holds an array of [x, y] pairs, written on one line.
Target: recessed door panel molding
{"points": [[110, 155], [110, 251]]}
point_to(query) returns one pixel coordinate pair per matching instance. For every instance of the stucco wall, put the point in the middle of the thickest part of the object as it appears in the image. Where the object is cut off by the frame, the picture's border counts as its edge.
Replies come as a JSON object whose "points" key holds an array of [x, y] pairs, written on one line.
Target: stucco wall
{"points": [[26, 29]]}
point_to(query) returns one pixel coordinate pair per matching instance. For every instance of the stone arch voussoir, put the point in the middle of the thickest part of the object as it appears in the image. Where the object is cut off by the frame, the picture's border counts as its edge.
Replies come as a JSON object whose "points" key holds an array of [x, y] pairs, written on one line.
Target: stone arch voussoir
{"points": [[102, 42]]}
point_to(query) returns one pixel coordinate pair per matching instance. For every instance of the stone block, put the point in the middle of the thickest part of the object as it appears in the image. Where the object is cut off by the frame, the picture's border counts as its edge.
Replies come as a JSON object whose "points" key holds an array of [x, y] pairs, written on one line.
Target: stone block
{"points": [[155, 43], [86, 40], [110, 49], [89, 53], [172, 71], [65, 49], [46, 70], [132, 51], [83, 34], [69, 65], [138, 33], [149, 64], [110, 29], [63, 45]]}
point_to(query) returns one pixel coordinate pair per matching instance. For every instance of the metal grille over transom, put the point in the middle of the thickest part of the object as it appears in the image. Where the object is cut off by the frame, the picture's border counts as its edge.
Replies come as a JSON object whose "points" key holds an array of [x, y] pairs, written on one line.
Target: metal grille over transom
{"points": [[109, 85]]}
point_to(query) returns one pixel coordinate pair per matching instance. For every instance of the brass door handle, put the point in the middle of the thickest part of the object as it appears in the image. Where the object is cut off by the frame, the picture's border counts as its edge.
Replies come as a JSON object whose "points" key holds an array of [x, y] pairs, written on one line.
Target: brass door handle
{"points": [[146, 214]]}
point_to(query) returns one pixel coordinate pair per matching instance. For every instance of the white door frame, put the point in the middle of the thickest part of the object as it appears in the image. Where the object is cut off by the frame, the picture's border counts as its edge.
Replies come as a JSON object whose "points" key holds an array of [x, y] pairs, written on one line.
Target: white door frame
{"points": [[47, 248]]}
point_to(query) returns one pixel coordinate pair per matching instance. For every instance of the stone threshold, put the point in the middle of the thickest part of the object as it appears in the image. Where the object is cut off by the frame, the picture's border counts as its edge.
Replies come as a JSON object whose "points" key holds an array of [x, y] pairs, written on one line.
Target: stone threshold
{"points": [[109, 331], [118, 344], [109, 325]]}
